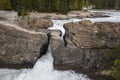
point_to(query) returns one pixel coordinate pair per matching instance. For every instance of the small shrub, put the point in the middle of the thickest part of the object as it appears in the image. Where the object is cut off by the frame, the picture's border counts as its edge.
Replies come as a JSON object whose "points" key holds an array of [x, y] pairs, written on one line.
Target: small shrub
{"points": [[111, 56], [116, 69]]}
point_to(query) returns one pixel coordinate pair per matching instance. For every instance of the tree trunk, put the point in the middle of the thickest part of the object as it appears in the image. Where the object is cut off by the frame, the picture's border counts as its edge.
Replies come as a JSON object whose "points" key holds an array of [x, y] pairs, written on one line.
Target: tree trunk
{"points": [[117, 3]]}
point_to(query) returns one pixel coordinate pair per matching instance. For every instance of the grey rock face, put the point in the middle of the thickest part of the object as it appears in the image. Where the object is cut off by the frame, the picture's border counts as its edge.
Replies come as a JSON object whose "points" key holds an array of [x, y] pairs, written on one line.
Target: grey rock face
{"points": [[36, 24], [9, 15], [87, 35], [19, 46], [85, 45], [40, 23]]}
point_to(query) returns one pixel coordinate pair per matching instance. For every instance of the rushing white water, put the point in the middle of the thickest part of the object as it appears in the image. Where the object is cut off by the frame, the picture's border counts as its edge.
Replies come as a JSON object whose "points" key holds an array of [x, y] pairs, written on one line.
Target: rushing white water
{"points": [[43, 69], [58, 24], [114, 16]]}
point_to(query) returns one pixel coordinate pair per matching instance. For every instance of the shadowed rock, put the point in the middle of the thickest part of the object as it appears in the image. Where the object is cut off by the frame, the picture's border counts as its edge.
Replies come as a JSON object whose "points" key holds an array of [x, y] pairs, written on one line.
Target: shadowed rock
{"points": [[19, 45], [35, 24], [86, 47]]}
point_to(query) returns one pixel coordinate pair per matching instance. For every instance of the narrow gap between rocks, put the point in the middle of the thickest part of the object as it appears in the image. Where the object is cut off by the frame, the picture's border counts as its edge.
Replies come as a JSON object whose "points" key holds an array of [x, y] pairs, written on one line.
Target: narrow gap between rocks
{"points": [[44, 48]]}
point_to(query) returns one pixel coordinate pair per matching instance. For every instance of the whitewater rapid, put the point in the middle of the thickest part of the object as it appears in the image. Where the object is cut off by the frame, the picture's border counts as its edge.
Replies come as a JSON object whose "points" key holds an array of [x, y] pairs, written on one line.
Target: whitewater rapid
{"points": [[43, 69], [58, 24], [114, 16]]}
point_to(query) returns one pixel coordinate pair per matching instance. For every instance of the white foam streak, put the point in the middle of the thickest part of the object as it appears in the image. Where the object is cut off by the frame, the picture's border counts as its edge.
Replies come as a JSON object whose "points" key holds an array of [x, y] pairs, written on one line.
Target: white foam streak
{"points": [[7, 74], [114, 16], [43, 70], [58, 24], [107, 19]]}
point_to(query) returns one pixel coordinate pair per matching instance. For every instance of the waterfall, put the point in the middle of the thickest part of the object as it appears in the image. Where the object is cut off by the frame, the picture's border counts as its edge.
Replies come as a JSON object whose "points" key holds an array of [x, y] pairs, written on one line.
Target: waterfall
{"points": [[58, 24], [43, 68]]}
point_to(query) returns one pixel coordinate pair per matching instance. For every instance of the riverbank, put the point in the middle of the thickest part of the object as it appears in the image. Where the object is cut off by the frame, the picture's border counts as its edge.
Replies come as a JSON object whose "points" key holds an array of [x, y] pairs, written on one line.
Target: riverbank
{"points": [[81, 49], [70, 14]]}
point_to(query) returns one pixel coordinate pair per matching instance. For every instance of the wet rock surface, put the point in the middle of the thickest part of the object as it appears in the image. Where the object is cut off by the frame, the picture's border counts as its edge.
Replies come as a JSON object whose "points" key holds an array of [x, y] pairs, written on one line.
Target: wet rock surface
{"points": [[85, 46]]}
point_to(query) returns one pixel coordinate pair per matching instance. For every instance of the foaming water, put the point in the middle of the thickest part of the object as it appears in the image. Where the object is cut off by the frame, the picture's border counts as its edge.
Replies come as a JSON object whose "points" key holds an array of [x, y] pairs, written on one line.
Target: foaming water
{"points": [[58, 24], [42, 70], [114, 16]]}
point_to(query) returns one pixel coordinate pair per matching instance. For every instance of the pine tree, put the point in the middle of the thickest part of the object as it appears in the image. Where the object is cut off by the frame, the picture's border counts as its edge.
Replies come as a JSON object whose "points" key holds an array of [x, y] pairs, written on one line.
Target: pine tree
{"points": [[57, 2], [82, 3], [117, 4], [56, 5], [27, 4], [23, 13], [8, 5], [5, 5], [87, 3], [76, 6]]}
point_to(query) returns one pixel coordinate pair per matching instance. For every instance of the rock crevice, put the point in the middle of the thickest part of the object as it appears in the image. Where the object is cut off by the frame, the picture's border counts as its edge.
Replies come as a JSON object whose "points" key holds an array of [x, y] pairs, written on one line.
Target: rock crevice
{"points": [[19, 46], [86, 46]]}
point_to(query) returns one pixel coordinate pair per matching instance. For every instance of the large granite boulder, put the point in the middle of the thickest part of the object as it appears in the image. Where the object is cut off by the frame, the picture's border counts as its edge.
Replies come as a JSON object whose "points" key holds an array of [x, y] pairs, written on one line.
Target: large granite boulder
{"points": [[40, 23], [19, 45], [35, 24], [87, 35], [87, 46]]}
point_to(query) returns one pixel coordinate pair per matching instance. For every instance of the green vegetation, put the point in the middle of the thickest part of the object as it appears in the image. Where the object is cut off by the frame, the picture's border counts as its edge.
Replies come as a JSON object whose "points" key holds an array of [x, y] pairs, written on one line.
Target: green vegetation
{"points": [[56, 5], [110, 57], [5, 5], [105, 4], [116, 69], [76, 5], [22, 13]]}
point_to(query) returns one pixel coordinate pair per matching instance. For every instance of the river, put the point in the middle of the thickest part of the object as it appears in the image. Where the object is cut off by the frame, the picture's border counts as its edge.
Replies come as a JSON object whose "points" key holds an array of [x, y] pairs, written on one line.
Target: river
{"points": [[43, 69]]}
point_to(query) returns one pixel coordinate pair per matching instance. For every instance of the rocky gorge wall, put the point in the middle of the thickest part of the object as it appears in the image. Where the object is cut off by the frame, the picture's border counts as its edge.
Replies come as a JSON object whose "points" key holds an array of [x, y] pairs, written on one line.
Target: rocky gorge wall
{"points": [[86, 47], [20, 47]]}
